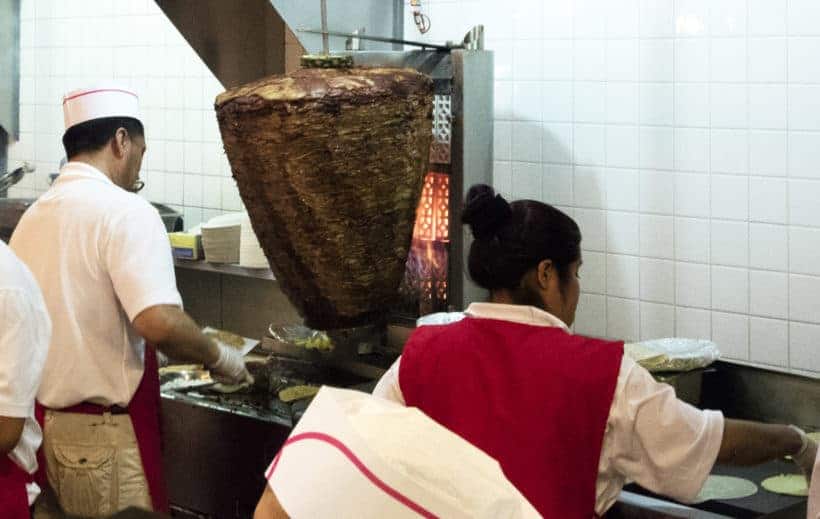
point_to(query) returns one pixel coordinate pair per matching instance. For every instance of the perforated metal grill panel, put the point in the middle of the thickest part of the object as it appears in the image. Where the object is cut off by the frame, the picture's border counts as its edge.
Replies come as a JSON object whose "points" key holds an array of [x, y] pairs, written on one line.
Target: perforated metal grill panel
{"points": [[442, 130]]}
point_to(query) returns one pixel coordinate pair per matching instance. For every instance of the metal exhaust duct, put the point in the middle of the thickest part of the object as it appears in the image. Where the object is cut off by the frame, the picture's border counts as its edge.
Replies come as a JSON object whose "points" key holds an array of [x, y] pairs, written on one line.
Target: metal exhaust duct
{"points": [[241, 41], [9, 79]]}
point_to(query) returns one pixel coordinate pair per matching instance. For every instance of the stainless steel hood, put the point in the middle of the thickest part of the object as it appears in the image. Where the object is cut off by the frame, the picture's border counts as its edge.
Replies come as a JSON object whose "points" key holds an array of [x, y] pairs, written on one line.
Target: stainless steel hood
{"points": [[9, 79], [9, 69], [241, 41]]}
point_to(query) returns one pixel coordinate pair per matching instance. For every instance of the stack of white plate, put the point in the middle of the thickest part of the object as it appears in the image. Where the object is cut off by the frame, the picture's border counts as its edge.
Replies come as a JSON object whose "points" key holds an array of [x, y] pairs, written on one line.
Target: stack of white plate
{"points": [[250, 252], [220, 238]]}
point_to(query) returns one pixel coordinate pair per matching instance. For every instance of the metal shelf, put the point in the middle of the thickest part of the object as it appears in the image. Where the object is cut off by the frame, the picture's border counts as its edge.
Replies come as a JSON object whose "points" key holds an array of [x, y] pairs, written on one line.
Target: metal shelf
{"points": [[229, 269]]}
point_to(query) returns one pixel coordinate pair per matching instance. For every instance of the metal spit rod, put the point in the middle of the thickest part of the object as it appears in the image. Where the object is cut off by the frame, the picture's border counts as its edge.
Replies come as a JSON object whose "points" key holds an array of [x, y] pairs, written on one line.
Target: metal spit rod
{"points": [[325, 35], [421, 44]]}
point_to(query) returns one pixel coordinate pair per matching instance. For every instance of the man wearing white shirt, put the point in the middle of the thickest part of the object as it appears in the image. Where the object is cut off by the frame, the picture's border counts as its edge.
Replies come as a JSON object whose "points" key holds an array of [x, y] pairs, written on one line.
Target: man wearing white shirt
{"points": [[102, 258], [25, 330]]}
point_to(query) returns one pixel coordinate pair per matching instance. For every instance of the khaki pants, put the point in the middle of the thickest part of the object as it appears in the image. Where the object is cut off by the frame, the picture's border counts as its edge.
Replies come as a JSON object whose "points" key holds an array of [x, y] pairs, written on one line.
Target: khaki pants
{"points": [[94, 466]]}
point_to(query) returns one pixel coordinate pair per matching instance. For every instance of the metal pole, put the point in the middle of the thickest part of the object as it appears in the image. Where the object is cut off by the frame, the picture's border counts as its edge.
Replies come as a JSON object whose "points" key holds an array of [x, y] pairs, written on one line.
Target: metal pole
{"points": [[325, 36], [423, 45], [4, 142]]}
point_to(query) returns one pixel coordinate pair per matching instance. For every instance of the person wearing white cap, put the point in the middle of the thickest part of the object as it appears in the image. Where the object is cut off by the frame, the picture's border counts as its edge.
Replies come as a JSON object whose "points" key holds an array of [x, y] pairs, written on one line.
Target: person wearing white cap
{"points": [[353, 455], [102, 258], [25, 329]]}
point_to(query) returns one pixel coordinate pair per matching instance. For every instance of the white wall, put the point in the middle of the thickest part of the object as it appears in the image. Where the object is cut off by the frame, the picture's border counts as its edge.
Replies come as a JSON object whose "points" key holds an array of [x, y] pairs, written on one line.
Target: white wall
{"points": [[684, 137], [69, 45]]}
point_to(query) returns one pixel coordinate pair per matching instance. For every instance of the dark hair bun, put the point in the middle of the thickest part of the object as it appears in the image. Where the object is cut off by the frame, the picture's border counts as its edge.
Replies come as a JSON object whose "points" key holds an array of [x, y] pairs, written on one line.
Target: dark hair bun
{"points": [[485, 212]]}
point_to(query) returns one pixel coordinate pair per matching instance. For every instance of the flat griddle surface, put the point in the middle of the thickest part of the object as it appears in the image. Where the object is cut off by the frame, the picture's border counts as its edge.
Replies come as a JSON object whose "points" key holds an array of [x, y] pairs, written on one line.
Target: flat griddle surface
{"points": [[760, 504]]}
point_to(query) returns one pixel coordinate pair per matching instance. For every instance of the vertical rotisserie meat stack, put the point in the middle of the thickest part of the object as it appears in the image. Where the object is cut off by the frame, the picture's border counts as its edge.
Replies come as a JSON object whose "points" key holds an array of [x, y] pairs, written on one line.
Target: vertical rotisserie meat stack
{"points": [[330, 165]]}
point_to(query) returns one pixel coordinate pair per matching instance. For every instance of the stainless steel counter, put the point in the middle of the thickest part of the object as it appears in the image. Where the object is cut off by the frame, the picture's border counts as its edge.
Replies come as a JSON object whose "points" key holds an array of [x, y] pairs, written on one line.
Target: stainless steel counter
{"points": [[215, 454], [747, 393], [637, 506], [217, 447]]}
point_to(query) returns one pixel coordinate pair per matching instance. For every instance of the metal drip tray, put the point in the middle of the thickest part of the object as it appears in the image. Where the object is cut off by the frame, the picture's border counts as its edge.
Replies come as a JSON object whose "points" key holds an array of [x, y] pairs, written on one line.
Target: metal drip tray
{"points": [[761, 504], [259, 402], [259, 406]]}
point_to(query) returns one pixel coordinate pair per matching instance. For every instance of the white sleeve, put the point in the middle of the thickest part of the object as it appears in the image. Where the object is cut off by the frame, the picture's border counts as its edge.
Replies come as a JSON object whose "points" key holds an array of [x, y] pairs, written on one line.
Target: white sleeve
{"points": [[662, 443], [138, 259], [25, 332], [814, 492], [388, 386]]}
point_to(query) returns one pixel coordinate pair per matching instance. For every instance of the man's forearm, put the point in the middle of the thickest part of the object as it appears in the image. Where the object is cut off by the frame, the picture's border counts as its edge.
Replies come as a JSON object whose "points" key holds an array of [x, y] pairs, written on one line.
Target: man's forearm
{"points": [[750, 443], [176, 335], [187, 343], [10, 431]]}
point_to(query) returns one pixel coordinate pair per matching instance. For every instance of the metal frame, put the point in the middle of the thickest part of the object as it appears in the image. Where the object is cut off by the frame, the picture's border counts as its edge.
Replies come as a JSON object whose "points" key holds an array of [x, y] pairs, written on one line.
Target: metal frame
{"points": [[472, 157], [243, 41], [9, 79], [467, 77], [378, 17], [4, 146], [752, 393], [10, 67]]}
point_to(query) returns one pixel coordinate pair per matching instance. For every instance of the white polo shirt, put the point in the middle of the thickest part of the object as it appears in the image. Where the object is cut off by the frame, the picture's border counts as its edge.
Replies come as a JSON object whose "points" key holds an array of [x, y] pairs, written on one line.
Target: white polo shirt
{"points": [[101, 256], [651, 437], [24, 334]]}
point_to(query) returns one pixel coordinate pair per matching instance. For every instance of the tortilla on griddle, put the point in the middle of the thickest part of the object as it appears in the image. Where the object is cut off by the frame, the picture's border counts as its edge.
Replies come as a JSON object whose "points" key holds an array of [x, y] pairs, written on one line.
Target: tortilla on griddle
{"points": [[293, 393], [230, 388], [725, 487], [787, 484]]}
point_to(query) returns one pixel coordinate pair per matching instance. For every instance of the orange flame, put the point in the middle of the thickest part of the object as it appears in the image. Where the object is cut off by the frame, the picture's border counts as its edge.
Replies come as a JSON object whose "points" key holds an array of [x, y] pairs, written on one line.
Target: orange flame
{"points": [[427, 266], [433, 212]]}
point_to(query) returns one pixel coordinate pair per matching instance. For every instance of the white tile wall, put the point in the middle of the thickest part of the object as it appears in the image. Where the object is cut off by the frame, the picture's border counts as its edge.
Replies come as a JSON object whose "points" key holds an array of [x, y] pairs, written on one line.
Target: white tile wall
{"points": [[133, 43], [730, 243], [623, 276], [803, 346], [804, 305], [730, 289], [657, 321], [683, 135], [692, 237], [803, 247], [655, 195], [731, 332], [693, 322], [693, 285], [690, 130], [657, 280], [768, 247], [623, 319], [769, 294], [769, 341]]}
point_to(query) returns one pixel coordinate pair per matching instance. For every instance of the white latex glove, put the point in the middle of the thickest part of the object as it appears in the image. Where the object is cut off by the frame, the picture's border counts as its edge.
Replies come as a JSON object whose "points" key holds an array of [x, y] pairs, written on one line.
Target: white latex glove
{"points": [[231, 366], [806, 456]]}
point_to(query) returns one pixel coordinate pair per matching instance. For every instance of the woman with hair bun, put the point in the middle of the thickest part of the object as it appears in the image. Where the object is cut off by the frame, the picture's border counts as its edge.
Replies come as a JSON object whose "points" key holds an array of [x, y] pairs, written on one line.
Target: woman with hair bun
{"points": [[569, 418]]}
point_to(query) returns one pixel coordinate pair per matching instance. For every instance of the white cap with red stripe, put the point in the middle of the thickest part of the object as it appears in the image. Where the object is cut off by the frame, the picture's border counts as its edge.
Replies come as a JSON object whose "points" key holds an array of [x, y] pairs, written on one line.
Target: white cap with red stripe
{"points": [[358, 455], [99, 101]]}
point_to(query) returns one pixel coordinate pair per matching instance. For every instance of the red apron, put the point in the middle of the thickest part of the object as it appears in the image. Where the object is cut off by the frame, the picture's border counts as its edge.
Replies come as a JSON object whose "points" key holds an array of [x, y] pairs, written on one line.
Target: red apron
{"points": [[13, 495], [534, 398], [144, 412]]}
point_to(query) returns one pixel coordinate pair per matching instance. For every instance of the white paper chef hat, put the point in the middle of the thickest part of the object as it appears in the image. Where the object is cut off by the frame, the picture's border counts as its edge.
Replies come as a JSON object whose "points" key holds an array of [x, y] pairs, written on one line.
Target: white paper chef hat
{"points": [[102, 100], [357, 455]]}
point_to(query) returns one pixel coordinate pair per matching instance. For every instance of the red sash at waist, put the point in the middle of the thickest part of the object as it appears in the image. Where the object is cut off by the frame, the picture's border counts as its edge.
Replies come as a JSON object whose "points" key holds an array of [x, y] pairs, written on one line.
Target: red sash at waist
{"points": [[13, 495]]}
